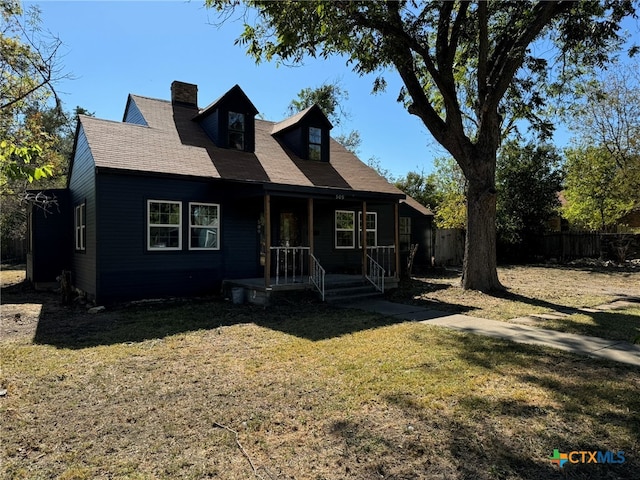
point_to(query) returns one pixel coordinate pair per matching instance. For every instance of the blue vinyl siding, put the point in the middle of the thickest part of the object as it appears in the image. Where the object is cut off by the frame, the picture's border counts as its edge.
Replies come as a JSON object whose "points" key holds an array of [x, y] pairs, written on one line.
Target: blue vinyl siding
{"points": [[294, 140], [128, 270], [421, 234], [134, 115], [82, 183], [51, 237], [347, 260], [211, 125]]}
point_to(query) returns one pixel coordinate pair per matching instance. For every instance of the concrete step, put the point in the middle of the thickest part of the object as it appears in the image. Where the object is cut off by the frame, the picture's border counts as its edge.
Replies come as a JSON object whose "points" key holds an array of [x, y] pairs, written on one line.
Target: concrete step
{"points": [[346, 299], [350, 293]]}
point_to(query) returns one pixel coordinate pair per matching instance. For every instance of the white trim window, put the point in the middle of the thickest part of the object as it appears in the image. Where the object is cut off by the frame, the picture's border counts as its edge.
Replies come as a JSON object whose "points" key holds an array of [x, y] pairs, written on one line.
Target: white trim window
{"points": [[164, 225], [80, 227], [372, 229], [204, 226], [345, 229]]}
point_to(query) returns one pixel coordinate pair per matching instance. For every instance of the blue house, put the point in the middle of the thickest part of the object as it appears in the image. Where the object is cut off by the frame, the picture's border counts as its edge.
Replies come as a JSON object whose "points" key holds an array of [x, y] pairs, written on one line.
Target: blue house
{"points": [[176, 200]]}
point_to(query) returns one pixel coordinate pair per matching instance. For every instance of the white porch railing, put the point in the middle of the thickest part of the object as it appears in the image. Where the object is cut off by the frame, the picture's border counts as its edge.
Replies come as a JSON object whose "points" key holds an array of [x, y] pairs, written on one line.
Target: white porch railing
{"points": [[289, 264], [375, 273], [385, 256], [316, 277]]}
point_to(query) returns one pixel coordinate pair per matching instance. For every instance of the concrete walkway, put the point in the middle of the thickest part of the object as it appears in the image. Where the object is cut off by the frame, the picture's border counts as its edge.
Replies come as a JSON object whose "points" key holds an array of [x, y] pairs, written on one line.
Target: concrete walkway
{"points": [[615, 350]]}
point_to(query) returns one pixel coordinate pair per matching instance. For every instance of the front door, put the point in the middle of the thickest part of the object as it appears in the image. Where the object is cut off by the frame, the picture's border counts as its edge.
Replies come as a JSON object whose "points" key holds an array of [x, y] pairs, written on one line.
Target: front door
{"points": [[290, 234]]}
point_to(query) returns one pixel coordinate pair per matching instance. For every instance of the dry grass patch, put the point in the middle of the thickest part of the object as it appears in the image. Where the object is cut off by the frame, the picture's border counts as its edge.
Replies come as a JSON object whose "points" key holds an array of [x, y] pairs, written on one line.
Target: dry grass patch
{"points": [[313, 392], [539, 290]]}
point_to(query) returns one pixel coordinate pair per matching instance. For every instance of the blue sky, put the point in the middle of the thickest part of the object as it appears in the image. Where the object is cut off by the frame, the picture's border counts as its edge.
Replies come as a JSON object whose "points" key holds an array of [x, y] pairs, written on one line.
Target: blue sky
{"points": [[115, 48]]}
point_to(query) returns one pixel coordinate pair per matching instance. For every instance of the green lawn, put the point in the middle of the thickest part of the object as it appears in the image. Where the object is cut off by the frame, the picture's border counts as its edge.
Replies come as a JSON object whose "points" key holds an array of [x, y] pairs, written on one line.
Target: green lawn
{"points": [[312, 391]]}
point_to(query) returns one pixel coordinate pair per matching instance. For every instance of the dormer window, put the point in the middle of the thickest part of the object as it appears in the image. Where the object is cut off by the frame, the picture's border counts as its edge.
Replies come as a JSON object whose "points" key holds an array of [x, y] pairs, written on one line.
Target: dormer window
{"points": [[315, 144], [236, 130], [306, 134], [224, 123]]}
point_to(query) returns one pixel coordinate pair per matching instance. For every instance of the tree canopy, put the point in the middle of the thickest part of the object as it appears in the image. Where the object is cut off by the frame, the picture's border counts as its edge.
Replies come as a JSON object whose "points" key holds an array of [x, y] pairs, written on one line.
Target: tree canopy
{"points": [[28, 69], [330, 97], [528, 178], [596, 189], [603, 165], [470, 70]]}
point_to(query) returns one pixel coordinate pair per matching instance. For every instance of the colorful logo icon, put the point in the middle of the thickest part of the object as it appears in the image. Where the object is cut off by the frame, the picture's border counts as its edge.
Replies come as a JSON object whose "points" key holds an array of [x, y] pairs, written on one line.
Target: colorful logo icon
{"points": [[559, 458]]}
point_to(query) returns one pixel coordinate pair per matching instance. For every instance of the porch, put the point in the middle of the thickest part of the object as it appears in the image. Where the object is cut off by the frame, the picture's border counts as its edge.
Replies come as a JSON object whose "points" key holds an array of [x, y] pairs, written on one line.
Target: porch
{"points": [[296, 268], [337, 288]]}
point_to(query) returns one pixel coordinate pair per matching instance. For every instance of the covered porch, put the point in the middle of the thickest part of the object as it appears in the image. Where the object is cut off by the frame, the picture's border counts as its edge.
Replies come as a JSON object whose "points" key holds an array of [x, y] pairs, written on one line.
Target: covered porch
{"points": [[318, 238]]}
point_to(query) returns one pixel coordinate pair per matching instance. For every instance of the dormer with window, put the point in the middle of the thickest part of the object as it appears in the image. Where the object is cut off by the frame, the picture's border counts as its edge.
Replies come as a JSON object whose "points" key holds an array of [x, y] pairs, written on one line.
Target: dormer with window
{"points": [[306, 134], [230, 121]]}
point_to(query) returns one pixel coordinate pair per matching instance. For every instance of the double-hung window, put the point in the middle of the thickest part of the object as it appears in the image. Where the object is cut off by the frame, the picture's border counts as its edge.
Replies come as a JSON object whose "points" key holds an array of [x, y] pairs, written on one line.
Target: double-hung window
{"points": [[80, 227], [236, 130], [405, 234], [372, 229], [345, 229], [315, 143], [204, 226], [164, 225]]}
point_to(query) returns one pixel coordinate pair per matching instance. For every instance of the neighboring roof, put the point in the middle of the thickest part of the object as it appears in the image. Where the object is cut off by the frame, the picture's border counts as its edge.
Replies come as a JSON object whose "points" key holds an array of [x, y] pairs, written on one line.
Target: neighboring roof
{"points": [[173, 143], [413, 203]]}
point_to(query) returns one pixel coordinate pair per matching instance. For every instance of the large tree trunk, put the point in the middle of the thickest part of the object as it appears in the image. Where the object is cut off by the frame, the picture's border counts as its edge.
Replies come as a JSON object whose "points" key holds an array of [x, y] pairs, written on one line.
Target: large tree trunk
{"points": [[480, 263]]}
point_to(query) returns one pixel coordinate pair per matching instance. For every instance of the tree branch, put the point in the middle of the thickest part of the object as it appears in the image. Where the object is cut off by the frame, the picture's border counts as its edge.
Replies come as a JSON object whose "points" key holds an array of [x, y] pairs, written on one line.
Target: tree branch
{"points": [[483, 51], [510, 50]]}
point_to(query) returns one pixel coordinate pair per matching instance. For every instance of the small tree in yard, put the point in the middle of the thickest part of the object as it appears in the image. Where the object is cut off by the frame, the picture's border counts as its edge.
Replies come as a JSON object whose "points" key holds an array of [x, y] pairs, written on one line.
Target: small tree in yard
{"points": [[469, 69], [529, 179], [596, 190], [603, 166]]}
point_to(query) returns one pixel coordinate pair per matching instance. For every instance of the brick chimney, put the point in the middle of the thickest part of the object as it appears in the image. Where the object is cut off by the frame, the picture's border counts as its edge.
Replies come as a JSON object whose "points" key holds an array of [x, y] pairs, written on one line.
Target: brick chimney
{"points": [[185, 93]]}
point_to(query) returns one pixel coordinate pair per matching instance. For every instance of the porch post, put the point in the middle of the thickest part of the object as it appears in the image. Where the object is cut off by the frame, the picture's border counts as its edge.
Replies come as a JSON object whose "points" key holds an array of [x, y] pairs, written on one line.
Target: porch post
{"points": [[267, 240], [310, 224], [363, 225], [396, 212]]}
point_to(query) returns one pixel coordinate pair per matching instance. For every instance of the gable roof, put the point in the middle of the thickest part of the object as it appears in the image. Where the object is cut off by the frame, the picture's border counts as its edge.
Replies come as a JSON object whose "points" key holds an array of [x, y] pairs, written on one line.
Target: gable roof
{"points": [[236, 92], [173, 143], [291, 122], [417, 206]]}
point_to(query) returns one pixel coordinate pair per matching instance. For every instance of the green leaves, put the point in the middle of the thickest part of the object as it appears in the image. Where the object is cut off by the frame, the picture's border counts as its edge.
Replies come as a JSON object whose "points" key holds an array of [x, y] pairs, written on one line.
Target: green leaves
{"points": [[19, 162], [528, 180], [596, 189]]}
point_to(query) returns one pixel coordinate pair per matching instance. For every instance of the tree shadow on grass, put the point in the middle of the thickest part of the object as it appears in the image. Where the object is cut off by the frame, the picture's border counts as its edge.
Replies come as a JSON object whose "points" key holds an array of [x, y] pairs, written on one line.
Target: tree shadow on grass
{"points": [[611, 324], [574, 406], [73, 327]]}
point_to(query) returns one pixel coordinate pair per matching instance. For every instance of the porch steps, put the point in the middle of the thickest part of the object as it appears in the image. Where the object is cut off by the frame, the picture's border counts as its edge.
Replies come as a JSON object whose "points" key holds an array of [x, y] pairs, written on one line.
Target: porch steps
{"points": [[350, 291]]}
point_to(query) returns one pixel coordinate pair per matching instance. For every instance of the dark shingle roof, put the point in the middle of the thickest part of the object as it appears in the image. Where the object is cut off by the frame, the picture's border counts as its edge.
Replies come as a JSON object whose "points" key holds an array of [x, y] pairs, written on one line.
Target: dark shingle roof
{"points": [[173, 143], [417, 206]]}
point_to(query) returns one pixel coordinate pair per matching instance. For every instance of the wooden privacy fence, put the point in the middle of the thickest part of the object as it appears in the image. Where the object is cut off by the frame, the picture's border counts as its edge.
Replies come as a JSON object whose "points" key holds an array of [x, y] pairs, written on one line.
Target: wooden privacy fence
{"points": [[568, 245], [449, 246], [14, 249], [573, 245], [561, 246]]}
